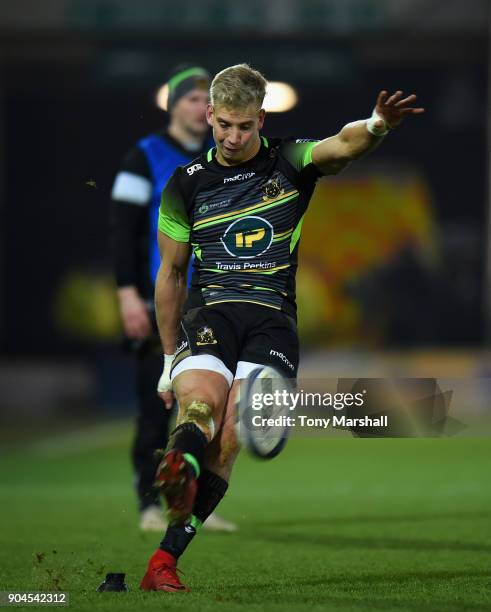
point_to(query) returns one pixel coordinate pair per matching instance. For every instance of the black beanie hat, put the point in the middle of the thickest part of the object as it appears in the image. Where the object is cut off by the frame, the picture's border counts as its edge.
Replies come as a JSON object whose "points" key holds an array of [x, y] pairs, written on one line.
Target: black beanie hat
{"points": [[184, 79]]}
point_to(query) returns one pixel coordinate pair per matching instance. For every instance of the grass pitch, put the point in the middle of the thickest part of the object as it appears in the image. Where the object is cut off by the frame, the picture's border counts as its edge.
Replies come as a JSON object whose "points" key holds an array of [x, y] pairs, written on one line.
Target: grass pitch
{"points": [[331, 524]]}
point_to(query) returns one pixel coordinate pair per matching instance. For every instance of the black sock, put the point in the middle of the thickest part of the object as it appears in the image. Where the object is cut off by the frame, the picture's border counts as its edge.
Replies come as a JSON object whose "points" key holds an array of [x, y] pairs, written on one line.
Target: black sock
{"points": [[191, 441], [177, 539], [211, 489]]}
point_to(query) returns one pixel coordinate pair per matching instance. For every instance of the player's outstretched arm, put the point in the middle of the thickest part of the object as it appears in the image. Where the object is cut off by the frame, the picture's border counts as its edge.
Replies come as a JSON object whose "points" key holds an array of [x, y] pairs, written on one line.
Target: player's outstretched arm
{"points": [[357, 138], [170, 293]]}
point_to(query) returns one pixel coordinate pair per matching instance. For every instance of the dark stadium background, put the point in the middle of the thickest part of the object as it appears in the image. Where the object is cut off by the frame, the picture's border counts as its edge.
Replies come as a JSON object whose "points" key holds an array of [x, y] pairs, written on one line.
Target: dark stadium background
{"points": [[78, 82]]}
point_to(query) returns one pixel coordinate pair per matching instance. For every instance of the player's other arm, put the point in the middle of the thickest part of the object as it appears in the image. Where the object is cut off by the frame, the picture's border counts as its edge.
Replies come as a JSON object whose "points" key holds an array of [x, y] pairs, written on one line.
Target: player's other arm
{"points": [[171, 288], [171, 283], [170, 293], [333, 154]]}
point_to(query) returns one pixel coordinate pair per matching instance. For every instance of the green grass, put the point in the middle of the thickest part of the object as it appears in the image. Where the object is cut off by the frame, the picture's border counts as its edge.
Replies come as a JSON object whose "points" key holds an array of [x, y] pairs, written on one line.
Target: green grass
{"points": [[331, 524]]}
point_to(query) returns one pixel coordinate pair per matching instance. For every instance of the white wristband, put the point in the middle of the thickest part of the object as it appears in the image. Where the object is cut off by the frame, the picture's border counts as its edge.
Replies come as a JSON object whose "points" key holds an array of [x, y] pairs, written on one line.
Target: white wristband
{"points": [[375, 130], [165, 383]]}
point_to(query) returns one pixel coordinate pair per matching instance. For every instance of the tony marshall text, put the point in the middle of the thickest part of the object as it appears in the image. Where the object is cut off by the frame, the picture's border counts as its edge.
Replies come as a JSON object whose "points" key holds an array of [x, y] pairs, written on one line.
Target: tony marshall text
{"points": [[305, 421]]}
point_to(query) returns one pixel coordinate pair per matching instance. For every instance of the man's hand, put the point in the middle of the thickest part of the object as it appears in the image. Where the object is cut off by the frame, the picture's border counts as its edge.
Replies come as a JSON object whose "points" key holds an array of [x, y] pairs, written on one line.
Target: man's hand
{"points": [[393, 109], [134, 314], [164, 387]]}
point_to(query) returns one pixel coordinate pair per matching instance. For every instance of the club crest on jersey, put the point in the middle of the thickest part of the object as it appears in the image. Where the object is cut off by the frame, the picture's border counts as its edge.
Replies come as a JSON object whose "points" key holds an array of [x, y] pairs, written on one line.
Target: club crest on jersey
{"points": [[248, 237], [272, 188], [204, 336]]}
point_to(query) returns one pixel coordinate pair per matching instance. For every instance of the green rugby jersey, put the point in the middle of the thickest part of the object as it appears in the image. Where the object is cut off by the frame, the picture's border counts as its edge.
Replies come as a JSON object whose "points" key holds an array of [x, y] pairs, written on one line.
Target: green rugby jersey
{"points": [[243, 222]]}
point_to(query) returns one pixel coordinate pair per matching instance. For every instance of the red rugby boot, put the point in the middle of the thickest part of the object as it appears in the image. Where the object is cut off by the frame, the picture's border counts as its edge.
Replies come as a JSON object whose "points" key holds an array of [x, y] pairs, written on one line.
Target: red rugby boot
{"points": [[162, 574], [177, 482]]}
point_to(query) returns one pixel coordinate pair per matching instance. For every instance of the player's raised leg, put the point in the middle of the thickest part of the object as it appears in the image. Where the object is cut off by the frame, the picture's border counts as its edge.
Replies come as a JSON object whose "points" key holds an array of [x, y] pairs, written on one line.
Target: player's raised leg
{"points": [[222, 452]]}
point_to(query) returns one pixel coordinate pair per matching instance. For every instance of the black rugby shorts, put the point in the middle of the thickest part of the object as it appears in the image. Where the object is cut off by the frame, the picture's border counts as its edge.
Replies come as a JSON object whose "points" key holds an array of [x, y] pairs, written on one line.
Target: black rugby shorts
{"points": [[234, 332]]}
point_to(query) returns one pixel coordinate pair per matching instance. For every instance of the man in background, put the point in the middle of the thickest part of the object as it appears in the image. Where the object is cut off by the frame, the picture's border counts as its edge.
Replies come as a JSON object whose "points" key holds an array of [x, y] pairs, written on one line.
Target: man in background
{"points": [[135, 201]]}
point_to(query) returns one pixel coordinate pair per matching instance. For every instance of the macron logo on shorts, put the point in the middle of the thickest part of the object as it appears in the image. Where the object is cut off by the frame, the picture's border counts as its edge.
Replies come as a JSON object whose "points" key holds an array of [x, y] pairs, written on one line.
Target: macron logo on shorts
{"points": [[282, 357]]}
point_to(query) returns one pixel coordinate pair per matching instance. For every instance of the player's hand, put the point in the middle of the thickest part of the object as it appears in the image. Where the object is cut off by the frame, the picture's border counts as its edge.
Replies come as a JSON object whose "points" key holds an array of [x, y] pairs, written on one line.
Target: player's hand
{"points": [[134, 314], [394, 108], [168, 399], [164, 386]]}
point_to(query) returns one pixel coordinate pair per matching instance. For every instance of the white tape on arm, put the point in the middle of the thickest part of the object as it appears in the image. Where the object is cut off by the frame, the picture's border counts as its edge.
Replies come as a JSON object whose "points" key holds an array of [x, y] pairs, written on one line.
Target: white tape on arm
{"points": [[165, 383], [375, 130]]}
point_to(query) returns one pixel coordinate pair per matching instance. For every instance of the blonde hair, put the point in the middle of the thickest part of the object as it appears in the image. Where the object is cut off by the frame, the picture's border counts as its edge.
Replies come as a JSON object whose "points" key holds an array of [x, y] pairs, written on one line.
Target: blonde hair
{"points": [[238, 87]]}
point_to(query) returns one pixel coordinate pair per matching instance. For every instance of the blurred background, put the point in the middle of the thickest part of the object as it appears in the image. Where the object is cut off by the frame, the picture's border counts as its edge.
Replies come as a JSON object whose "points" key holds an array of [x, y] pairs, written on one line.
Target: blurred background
{"points": [[393, 251]]}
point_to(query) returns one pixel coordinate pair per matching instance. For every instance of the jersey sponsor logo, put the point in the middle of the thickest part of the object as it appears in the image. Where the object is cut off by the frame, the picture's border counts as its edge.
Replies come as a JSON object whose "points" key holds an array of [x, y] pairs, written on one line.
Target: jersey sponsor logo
{"points": [[204, 336], [283, 358], [253, 265], [194, 168], [272, 188], [204, 208], [239, 177], [248, 237]]}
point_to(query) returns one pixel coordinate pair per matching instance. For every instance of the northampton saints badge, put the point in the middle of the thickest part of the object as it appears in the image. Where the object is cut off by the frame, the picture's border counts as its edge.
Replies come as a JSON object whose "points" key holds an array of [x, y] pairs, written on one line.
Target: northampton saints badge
{"points": [[272, 188], [204, 336]]}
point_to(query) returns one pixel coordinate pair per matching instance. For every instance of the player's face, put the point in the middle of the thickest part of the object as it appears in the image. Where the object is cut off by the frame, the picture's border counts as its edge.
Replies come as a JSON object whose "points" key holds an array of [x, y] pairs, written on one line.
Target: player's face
{"points": [[236, 132], [190, 111]]}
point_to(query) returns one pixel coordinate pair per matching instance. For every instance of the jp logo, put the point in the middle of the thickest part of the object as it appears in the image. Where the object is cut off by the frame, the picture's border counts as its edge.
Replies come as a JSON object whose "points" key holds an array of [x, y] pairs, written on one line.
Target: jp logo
{"points": [[248, 237]]}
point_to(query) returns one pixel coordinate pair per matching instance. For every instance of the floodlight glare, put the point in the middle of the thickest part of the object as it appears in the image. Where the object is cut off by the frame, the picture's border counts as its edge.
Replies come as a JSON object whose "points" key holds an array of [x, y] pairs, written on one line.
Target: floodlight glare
{"points": [[280, 97], [162, 96]]}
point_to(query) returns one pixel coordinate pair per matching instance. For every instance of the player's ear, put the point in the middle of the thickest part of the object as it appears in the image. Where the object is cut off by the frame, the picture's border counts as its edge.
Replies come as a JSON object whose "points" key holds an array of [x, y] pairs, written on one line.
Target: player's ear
{"points": [[209, 114], [262, 115]]}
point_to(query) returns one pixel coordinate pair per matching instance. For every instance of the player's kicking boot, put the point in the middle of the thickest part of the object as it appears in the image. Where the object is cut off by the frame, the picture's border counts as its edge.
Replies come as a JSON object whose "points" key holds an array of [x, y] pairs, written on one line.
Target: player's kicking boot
{"points": [[176, 480], [161, 574]]}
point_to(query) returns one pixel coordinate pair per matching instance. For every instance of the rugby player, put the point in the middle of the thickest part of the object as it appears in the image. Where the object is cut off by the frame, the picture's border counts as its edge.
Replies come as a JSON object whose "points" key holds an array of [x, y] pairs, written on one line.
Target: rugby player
{"points": [[239, 208], [135, 202]]}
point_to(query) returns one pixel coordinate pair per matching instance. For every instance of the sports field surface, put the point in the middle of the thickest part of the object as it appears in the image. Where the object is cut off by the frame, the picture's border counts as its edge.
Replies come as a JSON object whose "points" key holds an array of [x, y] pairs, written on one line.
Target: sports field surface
{"points": [[331, 524]]}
